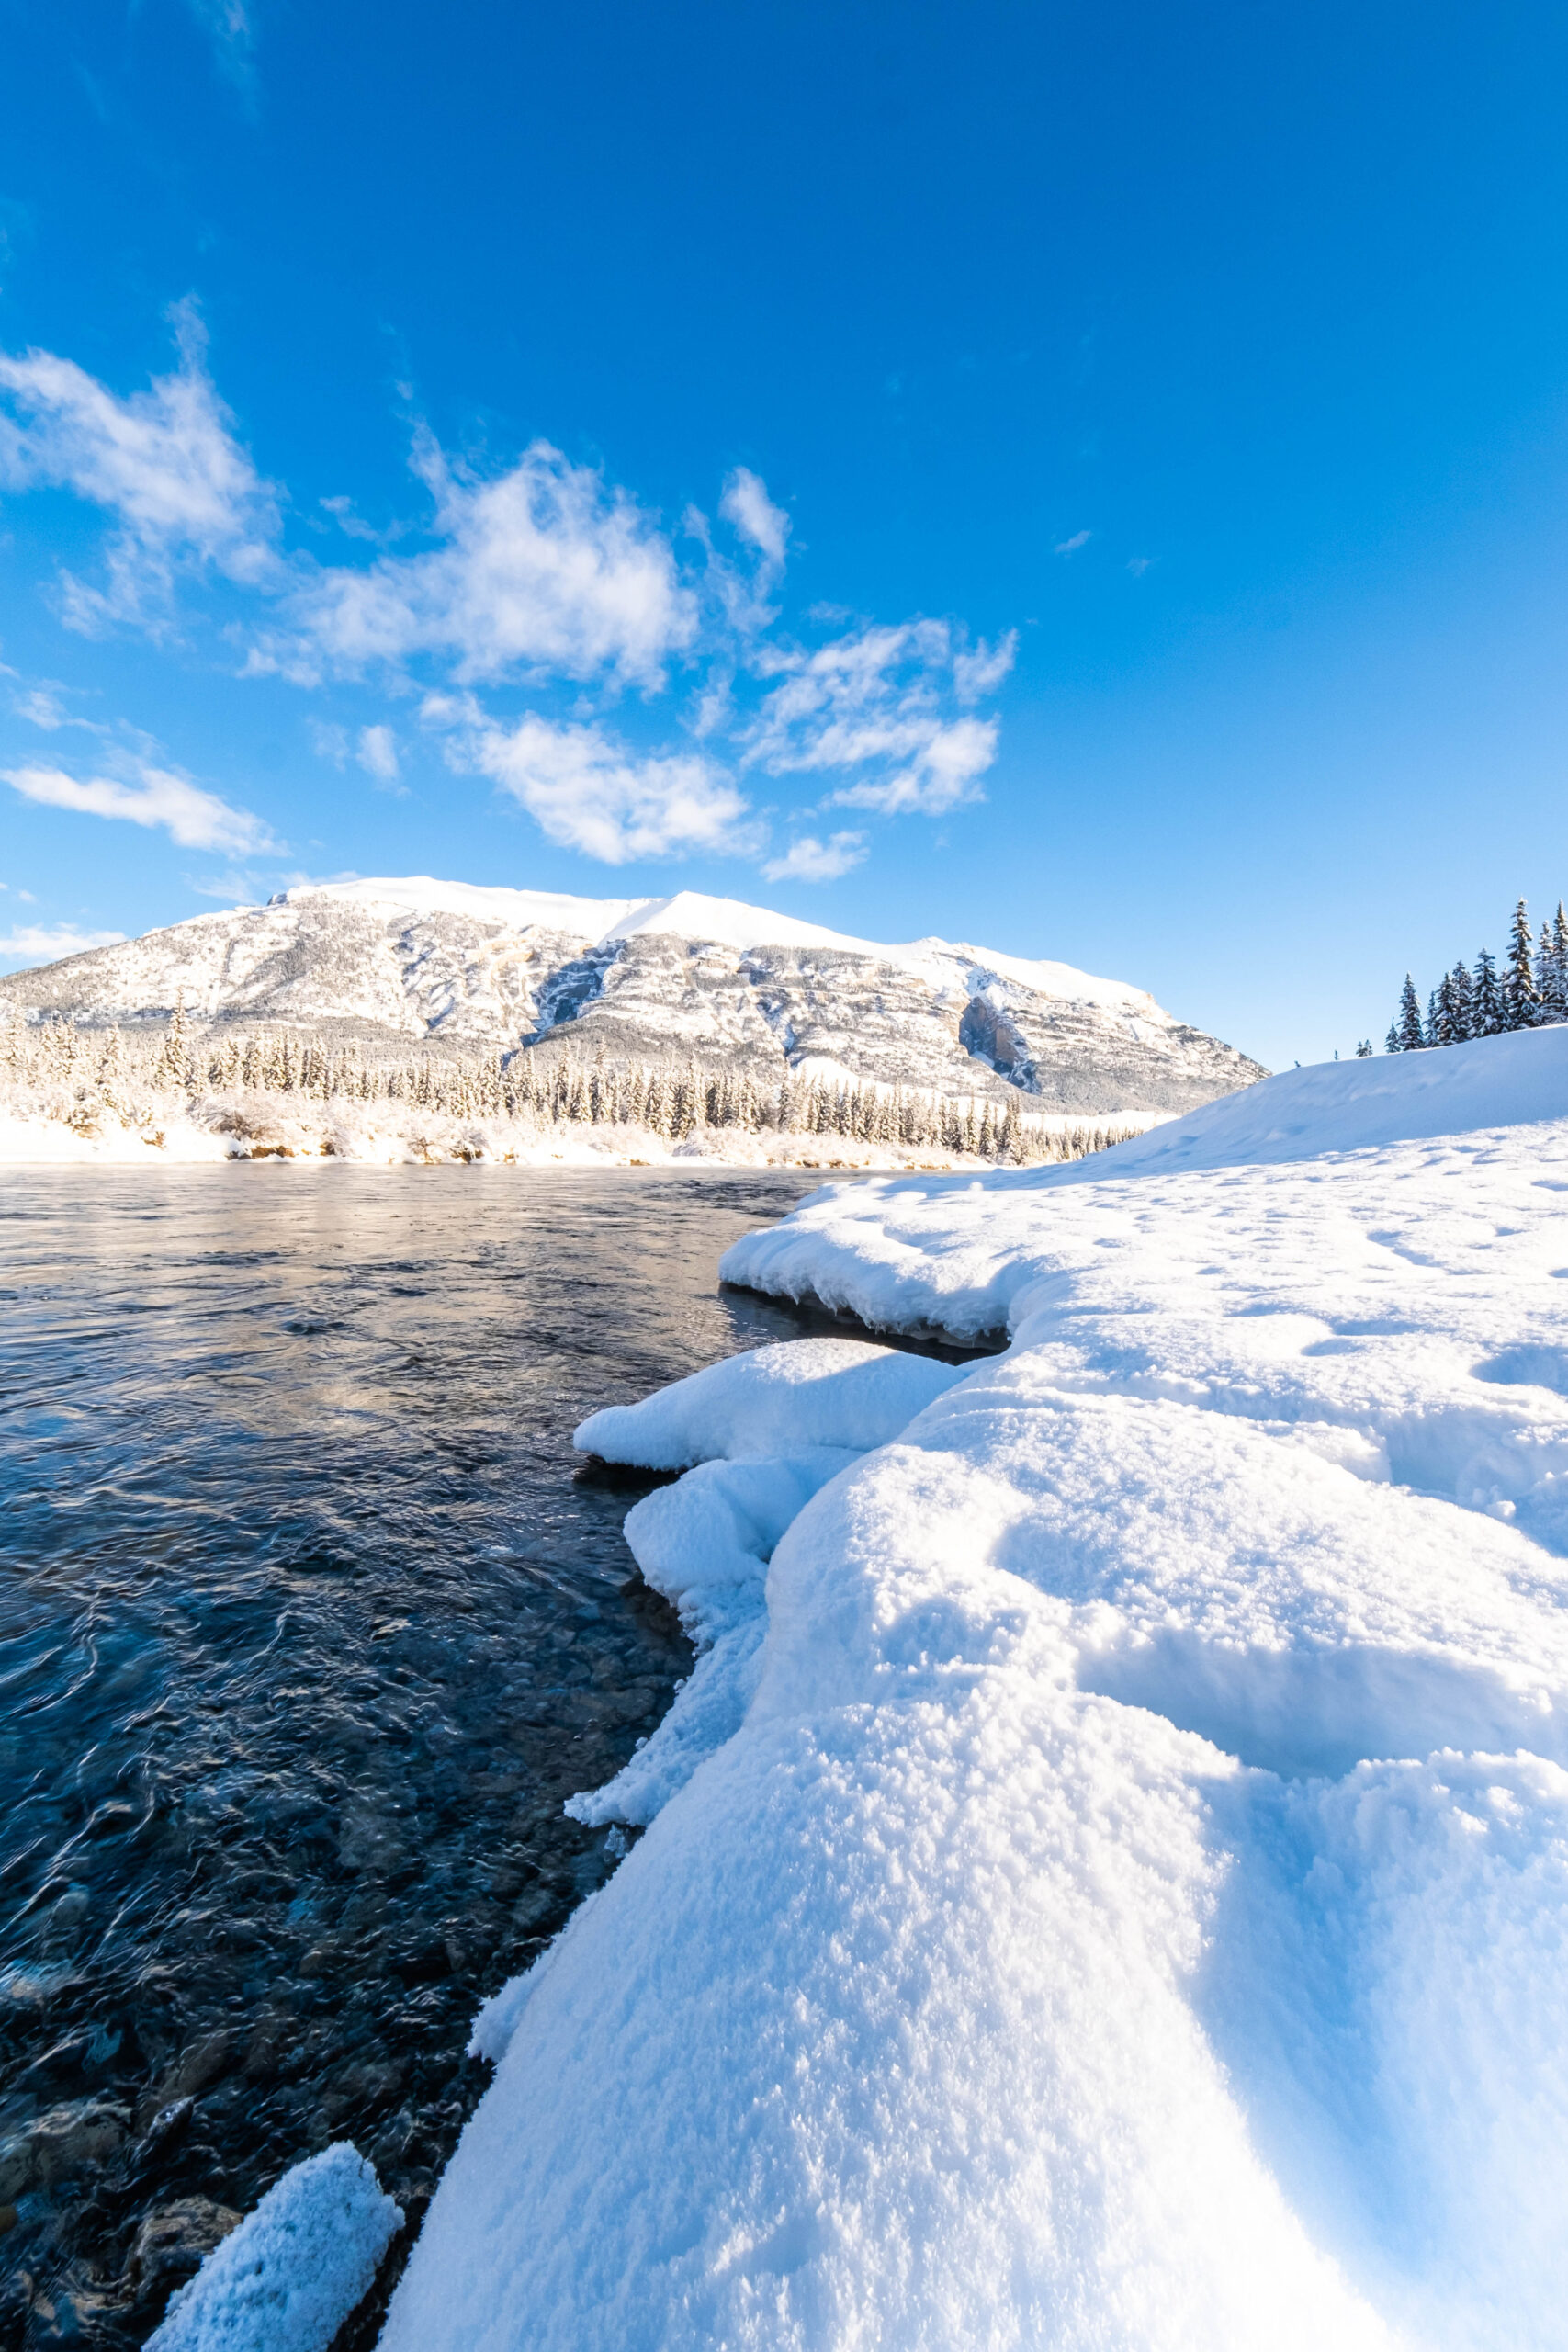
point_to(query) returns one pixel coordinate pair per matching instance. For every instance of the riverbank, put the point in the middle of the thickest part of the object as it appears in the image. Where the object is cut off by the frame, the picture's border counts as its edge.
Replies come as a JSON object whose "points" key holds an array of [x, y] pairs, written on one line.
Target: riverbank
{"points": [[1106, 1880], [38, 1131]]}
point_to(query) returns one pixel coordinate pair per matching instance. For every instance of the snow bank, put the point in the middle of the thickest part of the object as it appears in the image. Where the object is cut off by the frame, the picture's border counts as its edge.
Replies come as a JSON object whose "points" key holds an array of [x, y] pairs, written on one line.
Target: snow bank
{"points": [[806, 1393], [1131, 1908], [705, 1544], [289, 2276]]}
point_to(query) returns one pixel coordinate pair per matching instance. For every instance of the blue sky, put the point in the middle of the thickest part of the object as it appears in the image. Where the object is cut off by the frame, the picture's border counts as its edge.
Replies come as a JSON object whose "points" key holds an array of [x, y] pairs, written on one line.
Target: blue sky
{"points": [[1090, 482]]}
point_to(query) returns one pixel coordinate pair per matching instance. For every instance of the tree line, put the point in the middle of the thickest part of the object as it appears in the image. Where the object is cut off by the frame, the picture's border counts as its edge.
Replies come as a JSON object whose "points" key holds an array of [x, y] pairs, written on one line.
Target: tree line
{"points": [[85, 1074], [1529, 992]]}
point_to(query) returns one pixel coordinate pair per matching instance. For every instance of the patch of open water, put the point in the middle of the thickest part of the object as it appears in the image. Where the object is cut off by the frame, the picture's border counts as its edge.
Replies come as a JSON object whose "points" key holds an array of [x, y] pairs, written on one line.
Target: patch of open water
{"points": [[309, 1623]]}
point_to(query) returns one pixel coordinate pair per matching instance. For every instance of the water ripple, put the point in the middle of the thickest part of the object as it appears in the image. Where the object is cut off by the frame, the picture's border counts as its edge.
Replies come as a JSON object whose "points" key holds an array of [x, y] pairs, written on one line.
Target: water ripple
{"points": [[308, 1629]]}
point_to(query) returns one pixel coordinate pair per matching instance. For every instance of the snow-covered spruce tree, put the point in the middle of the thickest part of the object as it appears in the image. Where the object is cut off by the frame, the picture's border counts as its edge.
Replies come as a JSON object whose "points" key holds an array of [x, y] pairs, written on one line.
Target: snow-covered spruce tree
{"points": [[1412, 1036], [112, 1089], [1439, 1032], [1551, 971], [1519, 1000], [1460, 1003], [174, 1064], [1485, 998], [1545, 977], [1364, 1050]]}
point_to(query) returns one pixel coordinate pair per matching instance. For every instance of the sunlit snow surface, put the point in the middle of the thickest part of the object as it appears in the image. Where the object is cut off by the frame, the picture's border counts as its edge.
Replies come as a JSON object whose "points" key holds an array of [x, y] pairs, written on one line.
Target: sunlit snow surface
{"points": [[1122, 1901]]}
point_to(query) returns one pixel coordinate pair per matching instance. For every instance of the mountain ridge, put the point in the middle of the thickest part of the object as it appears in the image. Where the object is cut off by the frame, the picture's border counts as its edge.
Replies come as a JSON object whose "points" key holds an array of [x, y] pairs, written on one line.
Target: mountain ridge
{"points": [[416, 960]]}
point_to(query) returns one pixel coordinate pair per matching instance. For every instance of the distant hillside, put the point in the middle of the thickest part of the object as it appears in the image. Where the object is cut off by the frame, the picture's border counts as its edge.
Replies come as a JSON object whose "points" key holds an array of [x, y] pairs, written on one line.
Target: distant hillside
{"points": [[443, 963]]}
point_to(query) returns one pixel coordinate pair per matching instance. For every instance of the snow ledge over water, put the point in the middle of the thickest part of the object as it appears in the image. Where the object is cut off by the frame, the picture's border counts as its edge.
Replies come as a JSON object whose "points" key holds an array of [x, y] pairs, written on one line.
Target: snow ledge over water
{"points": [[1106, 1882]]}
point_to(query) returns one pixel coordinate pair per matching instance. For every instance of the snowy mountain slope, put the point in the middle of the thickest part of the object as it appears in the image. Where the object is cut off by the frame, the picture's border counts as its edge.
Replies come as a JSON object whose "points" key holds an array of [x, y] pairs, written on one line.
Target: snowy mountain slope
{"points": [[1107, 1881], [441, 962]]}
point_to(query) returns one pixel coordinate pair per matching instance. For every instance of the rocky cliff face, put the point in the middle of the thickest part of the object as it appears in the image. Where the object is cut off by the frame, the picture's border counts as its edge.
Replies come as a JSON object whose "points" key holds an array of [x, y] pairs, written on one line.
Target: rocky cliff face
{"points": [[402, 963]]}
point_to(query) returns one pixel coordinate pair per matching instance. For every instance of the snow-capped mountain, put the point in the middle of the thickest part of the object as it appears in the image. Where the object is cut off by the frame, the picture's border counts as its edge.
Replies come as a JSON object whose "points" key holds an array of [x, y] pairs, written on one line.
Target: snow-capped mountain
{"points": [[400, 961]]}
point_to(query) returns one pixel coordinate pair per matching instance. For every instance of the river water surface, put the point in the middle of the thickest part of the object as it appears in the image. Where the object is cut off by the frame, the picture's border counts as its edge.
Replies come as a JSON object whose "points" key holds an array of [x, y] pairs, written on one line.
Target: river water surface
{"points": [[309, 1624]]}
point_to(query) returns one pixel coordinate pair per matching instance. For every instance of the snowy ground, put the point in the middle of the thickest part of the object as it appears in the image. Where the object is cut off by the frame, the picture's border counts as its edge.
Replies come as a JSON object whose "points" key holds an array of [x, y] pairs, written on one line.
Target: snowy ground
{"points": [[1107, 1881]]}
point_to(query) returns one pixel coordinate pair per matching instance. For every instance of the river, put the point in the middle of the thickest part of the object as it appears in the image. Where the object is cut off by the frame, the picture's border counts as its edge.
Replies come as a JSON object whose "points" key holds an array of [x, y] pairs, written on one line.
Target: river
{"points": [[311, 1622]]}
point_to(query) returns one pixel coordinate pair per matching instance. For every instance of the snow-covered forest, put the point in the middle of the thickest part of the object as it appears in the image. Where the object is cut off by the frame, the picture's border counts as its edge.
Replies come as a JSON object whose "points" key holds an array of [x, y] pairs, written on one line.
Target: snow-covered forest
{"points": [[1529, 992], [276, 1091]]}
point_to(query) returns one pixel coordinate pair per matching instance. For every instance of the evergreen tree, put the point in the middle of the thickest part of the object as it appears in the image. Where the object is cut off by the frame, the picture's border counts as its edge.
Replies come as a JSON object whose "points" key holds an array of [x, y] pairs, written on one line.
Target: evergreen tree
{"points": [[1364, 1050], [1552, 974], [1438, 1031], [1545, 976], [1412, 1036], [1485, 998], [1518, 982], [1461, 1008]]}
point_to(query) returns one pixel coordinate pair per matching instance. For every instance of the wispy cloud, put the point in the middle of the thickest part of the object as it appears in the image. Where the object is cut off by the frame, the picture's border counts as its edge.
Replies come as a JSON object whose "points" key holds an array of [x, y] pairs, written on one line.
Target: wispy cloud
{"points": [[377, 752], [590, 792], [810, 860], [28, 944], [233, 888], [543, 576], [165, 463], [374, 749], [541, 568], [40, 706], [881, 707], [230, 27], [745, 505], [1071, 546], [154, 796]]}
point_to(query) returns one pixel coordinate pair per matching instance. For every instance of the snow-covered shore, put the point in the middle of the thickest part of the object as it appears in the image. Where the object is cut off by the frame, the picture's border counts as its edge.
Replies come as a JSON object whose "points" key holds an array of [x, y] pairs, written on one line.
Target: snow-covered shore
{"points": [[39, 1126], [1122, 1901], [316, 1137]]}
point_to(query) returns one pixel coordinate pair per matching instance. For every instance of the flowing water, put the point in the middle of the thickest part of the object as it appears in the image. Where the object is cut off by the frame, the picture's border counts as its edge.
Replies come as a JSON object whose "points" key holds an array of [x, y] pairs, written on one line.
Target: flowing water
{"points": [[309, 1622]]}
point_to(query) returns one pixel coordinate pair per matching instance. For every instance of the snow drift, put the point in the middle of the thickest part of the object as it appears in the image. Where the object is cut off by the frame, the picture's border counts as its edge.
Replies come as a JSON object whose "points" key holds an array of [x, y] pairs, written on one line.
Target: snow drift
{"points": [[289, 2275], [1112, 1892]]}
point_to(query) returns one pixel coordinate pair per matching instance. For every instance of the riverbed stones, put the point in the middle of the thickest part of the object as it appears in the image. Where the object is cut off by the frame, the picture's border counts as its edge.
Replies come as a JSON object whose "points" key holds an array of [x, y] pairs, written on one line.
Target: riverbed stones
{"points": [[173, 2242], [63, 2141]]}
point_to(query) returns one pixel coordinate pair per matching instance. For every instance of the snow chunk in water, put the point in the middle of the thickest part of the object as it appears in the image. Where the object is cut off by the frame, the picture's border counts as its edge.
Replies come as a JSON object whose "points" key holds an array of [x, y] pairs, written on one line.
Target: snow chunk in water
{"points": [[289, 2275], [772, 1400]]}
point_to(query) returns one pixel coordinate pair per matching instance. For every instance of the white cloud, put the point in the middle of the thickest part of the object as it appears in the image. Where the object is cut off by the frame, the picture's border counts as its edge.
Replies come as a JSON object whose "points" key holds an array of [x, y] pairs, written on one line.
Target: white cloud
{"points": [[543, 569], [194, 819], [809, 860], [232, 889], [880, 701], [591, 794], [945, 768], [375, 748], [351, 525], [981, 669], [745, 504], [1138, 564], [329, 741], [377, 753], [29, 944], [1071, 546], [542, 574], [164, 462]]}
